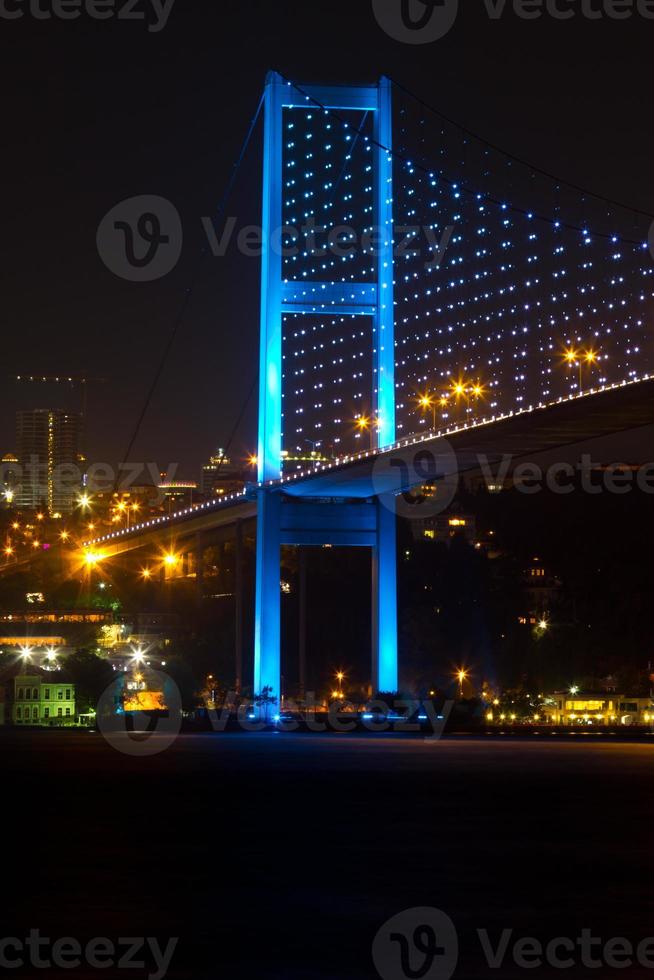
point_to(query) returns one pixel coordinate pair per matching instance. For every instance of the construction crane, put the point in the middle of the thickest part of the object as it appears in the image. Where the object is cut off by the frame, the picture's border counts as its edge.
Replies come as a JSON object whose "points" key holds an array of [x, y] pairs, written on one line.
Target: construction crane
{"points": [[73, 380]]}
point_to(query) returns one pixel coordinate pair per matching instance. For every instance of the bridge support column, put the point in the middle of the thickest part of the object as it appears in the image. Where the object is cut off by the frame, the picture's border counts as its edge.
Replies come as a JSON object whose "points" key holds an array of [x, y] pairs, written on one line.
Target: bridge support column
{"points": [[384, 599], [199, 563], [302, 622], [238, 606], [267, 612]]}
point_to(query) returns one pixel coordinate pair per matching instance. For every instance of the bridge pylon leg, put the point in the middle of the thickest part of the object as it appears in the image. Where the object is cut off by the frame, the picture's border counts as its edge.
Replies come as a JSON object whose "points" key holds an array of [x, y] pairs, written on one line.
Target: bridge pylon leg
{"points": [[384, 599], [267, 614]]}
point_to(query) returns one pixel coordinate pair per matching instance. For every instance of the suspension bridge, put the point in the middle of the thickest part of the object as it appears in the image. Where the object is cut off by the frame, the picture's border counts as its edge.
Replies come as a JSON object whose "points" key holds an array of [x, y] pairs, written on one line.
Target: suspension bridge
{"points": [[406, 263]]}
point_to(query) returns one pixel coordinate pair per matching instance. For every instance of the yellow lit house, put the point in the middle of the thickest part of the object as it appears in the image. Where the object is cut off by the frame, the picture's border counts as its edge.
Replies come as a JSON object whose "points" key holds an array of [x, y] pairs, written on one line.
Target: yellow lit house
{"points": [[593, 707]]}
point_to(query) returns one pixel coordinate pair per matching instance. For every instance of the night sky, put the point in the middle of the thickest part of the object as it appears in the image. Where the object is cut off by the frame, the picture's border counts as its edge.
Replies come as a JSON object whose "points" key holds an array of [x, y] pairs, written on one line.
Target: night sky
{"points": [[98, 111]]}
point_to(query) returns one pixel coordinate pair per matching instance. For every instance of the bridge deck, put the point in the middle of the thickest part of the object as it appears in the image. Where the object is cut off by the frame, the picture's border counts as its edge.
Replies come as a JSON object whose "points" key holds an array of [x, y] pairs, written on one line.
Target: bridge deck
{"points": [[588, 416]]}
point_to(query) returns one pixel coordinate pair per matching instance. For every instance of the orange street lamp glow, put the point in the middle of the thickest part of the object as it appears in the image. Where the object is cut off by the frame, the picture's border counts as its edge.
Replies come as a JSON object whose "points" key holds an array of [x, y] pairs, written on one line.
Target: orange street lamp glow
{"points": [[146, 574], [253, 460], [460, 392], [171, 560], [64, 535], [461, 675], [363, 424], [426, 402]]}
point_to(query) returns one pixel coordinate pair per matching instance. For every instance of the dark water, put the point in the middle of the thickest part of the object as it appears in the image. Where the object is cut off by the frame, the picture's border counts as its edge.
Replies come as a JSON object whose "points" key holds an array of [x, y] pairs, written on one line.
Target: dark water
{"points": [[282, 855]]}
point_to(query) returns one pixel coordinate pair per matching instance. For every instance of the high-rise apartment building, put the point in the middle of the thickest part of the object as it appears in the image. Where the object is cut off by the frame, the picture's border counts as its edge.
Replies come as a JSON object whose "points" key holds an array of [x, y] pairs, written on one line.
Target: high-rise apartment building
{"points": [[48, 447]]}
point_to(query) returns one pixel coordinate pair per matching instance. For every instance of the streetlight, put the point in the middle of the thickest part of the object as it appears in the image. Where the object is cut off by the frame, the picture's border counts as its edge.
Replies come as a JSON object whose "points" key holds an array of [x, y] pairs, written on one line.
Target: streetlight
{"points": [[461, 675], [589, 357], [477, 391], [340, 676], [363, 424], [577, 358], [426, 402], [460, 391]]}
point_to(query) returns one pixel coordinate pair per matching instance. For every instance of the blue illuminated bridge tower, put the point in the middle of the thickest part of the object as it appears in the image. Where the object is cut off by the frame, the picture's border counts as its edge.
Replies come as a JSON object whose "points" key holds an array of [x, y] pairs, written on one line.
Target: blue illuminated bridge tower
{"points": [[284, 518]]}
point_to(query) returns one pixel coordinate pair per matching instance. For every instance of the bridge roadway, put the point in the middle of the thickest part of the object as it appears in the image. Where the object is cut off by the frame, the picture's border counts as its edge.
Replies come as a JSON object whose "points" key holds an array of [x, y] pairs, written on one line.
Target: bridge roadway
{"points": [[407, 463]]}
